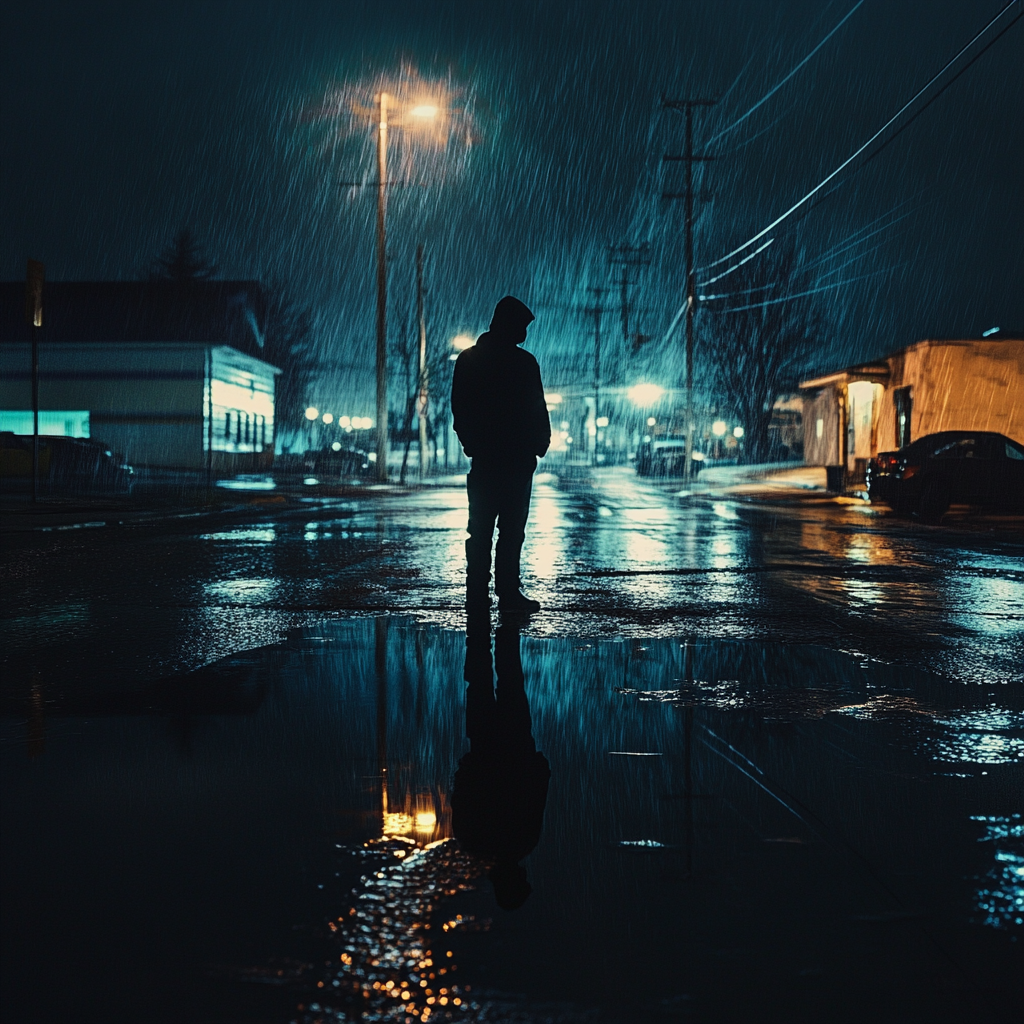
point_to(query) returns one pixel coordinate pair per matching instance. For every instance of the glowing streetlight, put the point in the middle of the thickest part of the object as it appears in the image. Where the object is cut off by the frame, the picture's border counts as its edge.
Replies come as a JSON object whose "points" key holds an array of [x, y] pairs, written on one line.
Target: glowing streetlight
{"points": [[463, 341], [328, 417], [737, 431], [312, 413], [719, 427], [344, 421], [426, 111], [645, 394]]}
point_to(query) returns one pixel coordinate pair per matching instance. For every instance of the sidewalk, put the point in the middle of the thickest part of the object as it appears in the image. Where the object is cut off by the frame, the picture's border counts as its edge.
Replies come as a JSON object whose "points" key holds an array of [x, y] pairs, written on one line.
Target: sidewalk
{"points": [[773, 476]]}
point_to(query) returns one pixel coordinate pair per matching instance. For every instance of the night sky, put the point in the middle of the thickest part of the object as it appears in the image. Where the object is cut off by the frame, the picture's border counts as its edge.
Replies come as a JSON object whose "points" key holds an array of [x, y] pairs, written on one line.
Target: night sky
{"points": [[123, 122]]}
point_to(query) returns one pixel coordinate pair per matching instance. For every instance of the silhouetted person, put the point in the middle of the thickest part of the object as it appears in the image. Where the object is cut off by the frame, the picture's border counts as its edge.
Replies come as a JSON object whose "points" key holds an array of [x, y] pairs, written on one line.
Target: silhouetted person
{"points": [[501, 785], [501, 418]]}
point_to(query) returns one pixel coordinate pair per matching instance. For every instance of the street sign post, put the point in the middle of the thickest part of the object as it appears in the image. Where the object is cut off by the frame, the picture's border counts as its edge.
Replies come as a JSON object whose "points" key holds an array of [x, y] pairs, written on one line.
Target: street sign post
{"points": [[34, 276]]}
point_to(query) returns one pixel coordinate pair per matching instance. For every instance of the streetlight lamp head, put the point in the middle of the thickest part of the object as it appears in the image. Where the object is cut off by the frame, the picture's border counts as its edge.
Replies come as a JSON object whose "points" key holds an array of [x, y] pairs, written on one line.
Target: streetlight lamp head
{"points": [[312, 413], [719, 427], [425, 110], [645, 394]]}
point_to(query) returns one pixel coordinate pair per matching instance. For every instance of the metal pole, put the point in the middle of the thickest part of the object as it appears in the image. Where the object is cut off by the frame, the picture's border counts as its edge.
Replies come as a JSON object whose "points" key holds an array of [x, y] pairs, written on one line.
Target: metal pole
{"points": [[382, 293], [35, 413], [597, 374], [423, 382], [690, 297]]}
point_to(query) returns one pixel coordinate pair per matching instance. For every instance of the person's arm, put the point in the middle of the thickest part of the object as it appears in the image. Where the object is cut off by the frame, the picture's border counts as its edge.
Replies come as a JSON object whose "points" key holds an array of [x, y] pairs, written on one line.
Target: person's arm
{"points": [[462, 408], [539, 420]]}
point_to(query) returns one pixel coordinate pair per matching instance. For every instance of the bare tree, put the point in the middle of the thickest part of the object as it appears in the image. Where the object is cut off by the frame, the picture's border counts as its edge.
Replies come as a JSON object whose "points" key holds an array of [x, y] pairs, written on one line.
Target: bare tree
{"points": [[761, 340], [287, 344], [183, 260]]}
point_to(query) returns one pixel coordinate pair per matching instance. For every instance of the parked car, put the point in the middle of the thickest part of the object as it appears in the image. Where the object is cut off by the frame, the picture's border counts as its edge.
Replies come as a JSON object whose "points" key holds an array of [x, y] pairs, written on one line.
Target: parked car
{"points": [[665, 458], [77, 465], [970, 467]]}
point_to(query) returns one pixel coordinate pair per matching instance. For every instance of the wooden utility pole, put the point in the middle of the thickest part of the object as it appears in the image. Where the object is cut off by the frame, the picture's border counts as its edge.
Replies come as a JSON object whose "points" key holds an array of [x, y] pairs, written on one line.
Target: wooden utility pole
{"points": [[424, 384], [626, 256], [382, 291], [596, 311], [689, 159]]}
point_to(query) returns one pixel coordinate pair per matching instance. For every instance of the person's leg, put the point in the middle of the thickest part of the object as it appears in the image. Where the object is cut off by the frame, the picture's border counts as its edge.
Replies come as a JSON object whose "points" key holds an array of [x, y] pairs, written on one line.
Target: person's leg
{"points": [[513, 511], [483, 510]]}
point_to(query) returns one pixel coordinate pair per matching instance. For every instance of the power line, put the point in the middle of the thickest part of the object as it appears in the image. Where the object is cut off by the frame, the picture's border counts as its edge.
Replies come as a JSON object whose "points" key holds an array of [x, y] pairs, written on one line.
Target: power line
{"points": [[771, 92], [895, 117], [813, 291]]}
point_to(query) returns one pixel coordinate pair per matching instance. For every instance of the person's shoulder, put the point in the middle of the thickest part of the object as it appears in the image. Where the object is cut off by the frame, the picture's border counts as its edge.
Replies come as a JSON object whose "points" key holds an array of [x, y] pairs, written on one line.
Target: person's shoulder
{"points": [[525, 358]]}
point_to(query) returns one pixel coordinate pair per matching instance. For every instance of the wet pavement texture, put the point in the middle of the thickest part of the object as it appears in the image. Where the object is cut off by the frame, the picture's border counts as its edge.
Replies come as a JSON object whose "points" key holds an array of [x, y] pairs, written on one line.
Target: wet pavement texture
{"points": [[785, 739]]}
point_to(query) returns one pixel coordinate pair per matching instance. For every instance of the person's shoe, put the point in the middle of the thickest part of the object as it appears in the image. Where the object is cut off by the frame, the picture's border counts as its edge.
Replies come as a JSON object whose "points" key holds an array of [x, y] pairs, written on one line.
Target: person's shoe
{"points": [[517, 601]]}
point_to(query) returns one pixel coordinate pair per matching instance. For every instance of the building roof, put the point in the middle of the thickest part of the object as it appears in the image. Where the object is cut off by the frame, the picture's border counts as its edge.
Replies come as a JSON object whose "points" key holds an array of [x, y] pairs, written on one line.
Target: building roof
{"points": [[875, 371], [196, 312], [879, 370]]}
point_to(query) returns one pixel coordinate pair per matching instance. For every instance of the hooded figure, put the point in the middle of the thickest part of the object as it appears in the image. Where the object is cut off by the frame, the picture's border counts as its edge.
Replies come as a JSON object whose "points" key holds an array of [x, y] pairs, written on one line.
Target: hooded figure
{"points": [[501, 418]]}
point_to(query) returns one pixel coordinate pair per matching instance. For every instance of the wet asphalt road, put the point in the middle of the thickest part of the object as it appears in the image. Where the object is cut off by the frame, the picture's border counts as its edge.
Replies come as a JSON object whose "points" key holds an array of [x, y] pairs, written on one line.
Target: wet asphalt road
{"points": [[786, 740]]}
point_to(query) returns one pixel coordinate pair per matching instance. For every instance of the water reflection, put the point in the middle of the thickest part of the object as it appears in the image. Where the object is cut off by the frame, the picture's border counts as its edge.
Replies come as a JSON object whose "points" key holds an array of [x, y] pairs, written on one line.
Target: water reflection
{"points": [[501, 785], [1000, 897], [795, 819], [389, 966]]}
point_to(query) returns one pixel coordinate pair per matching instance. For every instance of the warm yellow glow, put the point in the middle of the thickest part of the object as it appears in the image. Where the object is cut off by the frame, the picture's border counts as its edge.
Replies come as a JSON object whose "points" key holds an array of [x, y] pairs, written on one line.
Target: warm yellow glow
{"points": [[312, 413], [552, 398], [425, 110], [425, 821], [463, 341], [328, 417], [719, 427], [397, 824], [645, 394]]}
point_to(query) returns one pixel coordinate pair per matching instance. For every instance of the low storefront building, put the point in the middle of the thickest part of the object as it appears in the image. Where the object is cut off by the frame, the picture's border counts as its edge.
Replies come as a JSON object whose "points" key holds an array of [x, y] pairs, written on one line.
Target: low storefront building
{"points": [[168, 374], [852, 414]]}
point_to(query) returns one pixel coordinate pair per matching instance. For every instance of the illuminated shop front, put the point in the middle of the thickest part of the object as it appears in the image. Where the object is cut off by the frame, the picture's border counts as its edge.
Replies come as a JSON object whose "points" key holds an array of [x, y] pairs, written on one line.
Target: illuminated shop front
{"points": [[169, 375]]}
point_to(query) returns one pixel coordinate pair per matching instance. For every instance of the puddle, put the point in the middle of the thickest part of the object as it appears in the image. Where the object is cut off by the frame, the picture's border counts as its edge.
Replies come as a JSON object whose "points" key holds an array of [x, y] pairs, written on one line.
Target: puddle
{"points": [[354, 824]]}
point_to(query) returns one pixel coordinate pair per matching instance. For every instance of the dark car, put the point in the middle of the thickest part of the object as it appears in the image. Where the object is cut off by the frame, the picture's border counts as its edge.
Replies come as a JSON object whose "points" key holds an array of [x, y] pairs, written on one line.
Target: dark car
{"points": [[77, 465], [968, 467], [665, 458]]}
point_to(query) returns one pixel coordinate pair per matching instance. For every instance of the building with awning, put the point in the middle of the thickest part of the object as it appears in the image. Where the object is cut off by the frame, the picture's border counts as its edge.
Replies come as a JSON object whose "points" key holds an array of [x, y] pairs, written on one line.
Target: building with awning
{"points": [[852, 414], [170, 374]]}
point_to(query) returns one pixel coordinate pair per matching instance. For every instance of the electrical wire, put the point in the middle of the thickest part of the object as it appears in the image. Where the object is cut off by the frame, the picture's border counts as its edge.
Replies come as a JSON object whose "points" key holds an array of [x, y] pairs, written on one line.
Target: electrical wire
{"points": [[812, 291], [771, 92], [896, 116]]}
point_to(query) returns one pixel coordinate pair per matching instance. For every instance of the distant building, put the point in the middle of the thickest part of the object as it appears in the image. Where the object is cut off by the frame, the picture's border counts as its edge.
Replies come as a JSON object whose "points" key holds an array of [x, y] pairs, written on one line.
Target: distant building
{"points": [[170, 374], [852, 414]]}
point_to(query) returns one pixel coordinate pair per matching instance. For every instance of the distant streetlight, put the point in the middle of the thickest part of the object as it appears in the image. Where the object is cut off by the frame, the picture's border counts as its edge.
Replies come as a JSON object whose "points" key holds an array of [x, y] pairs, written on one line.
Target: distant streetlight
{"points": [[719, 427], [328, 417], [645, 394], [312, 413], [737, 432]]}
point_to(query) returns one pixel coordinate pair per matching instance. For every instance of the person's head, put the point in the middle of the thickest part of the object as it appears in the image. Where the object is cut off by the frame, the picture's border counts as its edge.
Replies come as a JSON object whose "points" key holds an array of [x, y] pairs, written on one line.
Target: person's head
{"points": [[510, 320]]}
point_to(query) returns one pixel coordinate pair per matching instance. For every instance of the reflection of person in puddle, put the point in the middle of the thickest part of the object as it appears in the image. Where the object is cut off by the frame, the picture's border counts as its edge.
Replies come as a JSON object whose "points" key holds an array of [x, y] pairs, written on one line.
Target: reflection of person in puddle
{"points": [[501, 785]]}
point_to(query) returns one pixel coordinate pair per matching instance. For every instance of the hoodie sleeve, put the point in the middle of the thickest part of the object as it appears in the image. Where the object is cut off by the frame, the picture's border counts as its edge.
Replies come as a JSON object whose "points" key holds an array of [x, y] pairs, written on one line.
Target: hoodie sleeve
{"points": [[463, 406], [538, 419]]}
